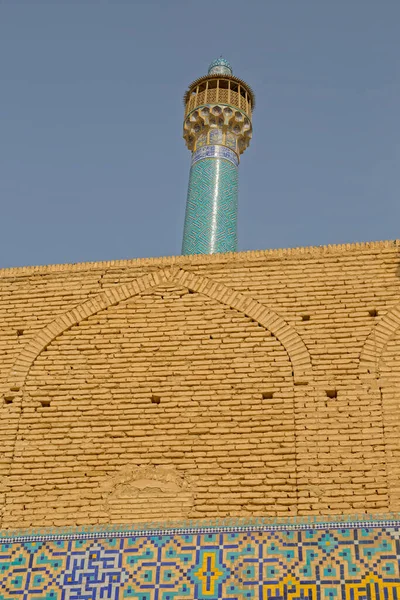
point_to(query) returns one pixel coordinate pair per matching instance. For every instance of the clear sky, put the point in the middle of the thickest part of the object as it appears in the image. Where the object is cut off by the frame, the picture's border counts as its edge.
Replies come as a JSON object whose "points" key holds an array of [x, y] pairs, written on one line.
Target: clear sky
{"points": [[92, 162]]}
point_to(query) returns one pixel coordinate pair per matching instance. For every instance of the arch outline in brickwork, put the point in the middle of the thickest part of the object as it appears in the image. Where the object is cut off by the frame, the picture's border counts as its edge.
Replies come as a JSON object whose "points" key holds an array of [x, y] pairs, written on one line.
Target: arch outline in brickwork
{"points": [[377, 340], [286, 334]]}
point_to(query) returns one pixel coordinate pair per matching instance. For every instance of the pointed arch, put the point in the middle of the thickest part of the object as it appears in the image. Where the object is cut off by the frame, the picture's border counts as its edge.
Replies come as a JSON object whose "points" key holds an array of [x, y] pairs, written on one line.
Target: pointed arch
{"points": [[287, 335], [377, 340]]}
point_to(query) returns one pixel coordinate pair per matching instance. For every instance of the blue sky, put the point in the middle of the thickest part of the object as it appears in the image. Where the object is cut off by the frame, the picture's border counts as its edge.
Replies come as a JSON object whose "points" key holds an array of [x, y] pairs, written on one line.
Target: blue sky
{"points": [[92, 161]]}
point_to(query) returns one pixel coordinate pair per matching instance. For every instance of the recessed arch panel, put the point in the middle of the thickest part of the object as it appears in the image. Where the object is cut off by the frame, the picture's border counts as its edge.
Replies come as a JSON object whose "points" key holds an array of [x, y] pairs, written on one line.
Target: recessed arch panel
{"points": [[377, 341], [287, 335]]}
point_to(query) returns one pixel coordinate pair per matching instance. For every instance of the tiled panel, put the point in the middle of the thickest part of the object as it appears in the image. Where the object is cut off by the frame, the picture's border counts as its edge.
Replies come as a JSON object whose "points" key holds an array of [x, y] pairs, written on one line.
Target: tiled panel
{"points": [[231, 141], [201, 140], [353, 561], [211, 209], [216, 136]]}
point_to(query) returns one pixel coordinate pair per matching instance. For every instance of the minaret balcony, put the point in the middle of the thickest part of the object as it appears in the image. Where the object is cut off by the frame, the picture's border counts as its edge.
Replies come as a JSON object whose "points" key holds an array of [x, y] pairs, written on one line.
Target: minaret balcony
{"points": [[212, 89]]}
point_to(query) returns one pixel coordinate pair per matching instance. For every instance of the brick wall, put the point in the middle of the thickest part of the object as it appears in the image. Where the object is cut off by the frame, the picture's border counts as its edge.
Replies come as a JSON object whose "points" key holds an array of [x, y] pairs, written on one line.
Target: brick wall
{"points": [[259, 383]]}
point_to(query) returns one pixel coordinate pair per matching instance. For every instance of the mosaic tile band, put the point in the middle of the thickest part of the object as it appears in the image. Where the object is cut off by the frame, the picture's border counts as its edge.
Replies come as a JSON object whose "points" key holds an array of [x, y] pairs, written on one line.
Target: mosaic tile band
{"points": [[343, 561], [211, 208], [215, 152]]}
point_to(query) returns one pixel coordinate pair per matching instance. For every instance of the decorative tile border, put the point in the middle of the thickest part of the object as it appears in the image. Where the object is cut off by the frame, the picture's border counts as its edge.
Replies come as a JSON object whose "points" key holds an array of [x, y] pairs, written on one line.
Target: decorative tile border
{"points": [[354, 560], [215, 152], [227, 524]]}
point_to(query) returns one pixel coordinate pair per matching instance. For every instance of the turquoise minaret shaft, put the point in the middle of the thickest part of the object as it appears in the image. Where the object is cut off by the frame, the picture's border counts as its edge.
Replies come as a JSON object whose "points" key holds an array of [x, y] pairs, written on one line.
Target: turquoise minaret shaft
{"points": [[217, 129]]}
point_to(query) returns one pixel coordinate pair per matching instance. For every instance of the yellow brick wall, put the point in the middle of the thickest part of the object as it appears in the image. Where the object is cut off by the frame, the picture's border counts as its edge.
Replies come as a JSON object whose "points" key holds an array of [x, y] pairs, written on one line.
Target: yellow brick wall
{"points": [[259, 383]]}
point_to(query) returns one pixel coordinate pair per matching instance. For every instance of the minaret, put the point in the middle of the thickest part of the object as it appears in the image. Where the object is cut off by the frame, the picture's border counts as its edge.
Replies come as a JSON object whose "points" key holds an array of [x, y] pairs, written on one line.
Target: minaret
{"points": [[217, 129]]}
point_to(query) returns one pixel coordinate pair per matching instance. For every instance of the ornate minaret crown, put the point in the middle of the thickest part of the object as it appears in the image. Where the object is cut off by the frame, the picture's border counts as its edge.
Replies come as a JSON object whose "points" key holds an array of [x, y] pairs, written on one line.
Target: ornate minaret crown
{"points": [[217, 129]]}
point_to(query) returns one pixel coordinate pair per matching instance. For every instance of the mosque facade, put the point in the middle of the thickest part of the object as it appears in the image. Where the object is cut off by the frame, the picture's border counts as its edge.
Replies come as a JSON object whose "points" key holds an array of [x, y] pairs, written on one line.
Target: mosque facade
{"points": [[211, 426]]}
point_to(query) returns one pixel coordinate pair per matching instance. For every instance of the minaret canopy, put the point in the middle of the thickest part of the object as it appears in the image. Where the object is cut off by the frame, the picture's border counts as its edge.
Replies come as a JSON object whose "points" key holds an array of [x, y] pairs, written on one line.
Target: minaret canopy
{"points": [[220, 66]]}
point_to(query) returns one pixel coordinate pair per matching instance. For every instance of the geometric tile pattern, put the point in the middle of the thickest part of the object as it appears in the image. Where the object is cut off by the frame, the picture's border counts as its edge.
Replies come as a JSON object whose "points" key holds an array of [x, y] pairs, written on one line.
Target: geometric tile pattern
{"points": [[211, 208], [336, 561]]}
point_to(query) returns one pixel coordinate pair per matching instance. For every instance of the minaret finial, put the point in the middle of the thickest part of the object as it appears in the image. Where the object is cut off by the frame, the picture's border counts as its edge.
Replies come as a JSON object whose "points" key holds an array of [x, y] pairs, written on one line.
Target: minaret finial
{"points": [[217, 129]]}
